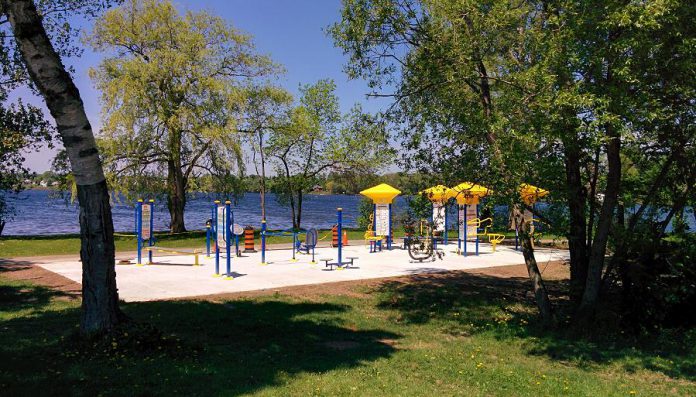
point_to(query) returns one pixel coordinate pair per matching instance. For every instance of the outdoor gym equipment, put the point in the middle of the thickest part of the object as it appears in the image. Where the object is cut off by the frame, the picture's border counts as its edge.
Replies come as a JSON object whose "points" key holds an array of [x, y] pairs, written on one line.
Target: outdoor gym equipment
{"points": [[438, 196], [311, 239], [382, 197], [223, 219], [144, 230], [468, 195], [422, 247], [265, 234], [530, 195], [144, 223], [340, 265]]}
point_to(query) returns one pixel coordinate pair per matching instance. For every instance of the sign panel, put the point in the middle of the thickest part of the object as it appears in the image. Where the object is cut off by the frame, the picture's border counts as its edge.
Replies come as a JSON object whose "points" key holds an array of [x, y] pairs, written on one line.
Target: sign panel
{"points": [[381, 219], [146, 216], [470, 216], [439, 217], [221, 227]]}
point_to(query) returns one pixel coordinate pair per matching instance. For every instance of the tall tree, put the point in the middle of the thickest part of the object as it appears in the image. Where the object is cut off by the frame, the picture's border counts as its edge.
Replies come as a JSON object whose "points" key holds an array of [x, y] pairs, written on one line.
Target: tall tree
{"points": [[517, 91], [172, 95], [100, 311], [265, 112], [318, 139]]}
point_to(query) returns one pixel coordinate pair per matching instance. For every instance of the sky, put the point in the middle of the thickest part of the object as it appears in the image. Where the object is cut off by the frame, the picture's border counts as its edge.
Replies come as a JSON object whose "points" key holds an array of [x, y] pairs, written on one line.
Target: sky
{"points": [[291, 32]]}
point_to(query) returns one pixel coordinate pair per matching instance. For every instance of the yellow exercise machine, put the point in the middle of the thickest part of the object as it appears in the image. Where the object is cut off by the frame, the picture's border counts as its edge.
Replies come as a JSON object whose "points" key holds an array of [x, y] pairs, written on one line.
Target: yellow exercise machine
{"points": [[380, 227]]}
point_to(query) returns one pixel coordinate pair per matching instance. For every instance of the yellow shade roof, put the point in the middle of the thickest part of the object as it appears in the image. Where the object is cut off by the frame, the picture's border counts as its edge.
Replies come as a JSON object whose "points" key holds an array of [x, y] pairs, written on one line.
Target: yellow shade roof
{"points": [[437, 193], [469, 193], [531, 194], [381, 194]]}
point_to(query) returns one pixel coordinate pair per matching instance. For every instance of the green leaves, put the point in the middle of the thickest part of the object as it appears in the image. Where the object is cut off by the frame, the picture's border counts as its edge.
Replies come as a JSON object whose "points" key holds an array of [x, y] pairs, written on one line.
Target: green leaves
{"points": [[175, 89]]}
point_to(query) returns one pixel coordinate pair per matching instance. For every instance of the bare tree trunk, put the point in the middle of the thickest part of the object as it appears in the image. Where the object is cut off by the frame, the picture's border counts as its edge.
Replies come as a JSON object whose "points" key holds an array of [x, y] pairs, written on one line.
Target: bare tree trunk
{"points": [[540, 293], [298, 220], [176, 198], [577, 237], [100, 311], [599, 244]]}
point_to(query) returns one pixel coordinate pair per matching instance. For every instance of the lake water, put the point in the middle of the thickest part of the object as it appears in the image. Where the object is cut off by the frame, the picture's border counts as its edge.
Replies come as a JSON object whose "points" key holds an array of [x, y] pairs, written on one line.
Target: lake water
{"points": [[43, 212]]}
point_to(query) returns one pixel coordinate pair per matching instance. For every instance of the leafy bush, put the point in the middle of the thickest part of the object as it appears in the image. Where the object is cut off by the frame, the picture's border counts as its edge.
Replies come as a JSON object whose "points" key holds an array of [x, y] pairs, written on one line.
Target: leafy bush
{"points": [[659, 282]]}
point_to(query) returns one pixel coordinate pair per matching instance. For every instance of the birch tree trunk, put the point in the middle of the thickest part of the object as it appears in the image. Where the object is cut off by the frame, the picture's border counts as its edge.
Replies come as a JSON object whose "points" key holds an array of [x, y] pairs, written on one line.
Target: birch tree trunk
{"points": [[100, 311]]}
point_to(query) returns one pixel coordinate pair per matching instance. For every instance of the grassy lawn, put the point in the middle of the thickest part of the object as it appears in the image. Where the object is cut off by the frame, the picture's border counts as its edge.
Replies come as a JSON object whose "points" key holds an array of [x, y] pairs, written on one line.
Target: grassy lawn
{"points": [[435, 337], [15, 246]]}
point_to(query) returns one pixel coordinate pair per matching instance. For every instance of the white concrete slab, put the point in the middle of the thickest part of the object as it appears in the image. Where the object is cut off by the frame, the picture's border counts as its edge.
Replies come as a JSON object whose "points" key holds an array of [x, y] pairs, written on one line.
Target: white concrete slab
{"points": [[176, 277]]}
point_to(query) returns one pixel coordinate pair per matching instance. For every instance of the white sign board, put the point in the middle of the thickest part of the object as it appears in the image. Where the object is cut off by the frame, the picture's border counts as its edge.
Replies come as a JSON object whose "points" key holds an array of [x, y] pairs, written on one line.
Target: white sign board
{"points": [[382, 220], [471, 215], [464, 217], [221, 227], [439, 214], [145, 219]]}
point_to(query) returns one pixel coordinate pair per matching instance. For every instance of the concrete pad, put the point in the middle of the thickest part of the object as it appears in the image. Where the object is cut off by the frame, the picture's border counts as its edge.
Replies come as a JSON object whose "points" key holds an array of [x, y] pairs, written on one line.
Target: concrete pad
{"points": [[176, 277]]}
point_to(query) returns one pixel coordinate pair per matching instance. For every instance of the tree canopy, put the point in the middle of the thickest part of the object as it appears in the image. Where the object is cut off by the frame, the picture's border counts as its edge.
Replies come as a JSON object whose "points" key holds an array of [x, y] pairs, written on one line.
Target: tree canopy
{"points": [[509, 92], [173, 89]]}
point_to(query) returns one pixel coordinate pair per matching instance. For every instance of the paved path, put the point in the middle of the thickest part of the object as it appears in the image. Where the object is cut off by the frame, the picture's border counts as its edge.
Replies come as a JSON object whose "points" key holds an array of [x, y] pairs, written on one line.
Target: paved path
{"points": [[175, 277]]}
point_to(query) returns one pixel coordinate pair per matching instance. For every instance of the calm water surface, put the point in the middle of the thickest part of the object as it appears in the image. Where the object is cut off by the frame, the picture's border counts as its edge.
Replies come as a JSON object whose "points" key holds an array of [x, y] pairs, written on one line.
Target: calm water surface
{"points": [[44, 212]]}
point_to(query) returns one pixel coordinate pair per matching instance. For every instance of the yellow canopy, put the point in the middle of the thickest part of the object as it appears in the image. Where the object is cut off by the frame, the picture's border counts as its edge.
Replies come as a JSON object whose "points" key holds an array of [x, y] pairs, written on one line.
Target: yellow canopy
{"points": [[469, 193], [530, 194], [381, 194], [437, 193]]}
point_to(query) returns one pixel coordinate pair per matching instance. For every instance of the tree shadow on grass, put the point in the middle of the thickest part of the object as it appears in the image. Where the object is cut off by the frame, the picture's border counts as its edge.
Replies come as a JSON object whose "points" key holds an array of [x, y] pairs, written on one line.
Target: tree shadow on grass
{"points": [[232, 348], [16, 296], [467, 304]]}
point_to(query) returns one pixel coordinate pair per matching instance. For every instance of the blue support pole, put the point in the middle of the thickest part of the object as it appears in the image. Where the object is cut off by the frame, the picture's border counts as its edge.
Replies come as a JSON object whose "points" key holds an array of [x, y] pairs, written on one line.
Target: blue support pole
{"points": [[228, 230], [217, 246], [339, 214], [263, 242], [389, 234], [477, 229], [466, 227], [294, 244], [139, 231], [432, 222], [446, 224], [459, 228], [151, 241]]}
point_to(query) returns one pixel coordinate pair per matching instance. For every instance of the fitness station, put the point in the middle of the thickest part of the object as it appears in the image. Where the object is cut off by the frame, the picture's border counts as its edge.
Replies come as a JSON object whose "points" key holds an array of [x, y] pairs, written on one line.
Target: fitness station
{"points": [[233, 258]]}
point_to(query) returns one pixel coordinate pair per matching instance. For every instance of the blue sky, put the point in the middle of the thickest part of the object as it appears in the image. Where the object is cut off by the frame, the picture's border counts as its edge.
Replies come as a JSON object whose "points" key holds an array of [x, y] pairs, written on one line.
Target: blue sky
{"points": [[291, 32]]}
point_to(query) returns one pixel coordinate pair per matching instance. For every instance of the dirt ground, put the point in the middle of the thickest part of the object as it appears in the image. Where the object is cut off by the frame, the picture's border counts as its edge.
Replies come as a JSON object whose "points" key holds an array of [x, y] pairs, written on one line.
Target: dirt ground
{"points": [[551, 271]]}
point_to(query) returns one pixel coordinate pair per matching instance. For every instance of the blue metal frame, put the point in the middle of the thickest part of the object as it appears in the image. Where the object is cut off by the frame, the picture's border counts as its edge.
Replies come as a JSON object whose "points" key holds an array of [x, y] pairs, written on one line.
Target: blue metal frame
{"points": [[339, 215], [263, 241], [389, 237], [466, 228], [151, 240], [477, 229], [138, 230], [444, 206], [217, 246], [228, 229]]}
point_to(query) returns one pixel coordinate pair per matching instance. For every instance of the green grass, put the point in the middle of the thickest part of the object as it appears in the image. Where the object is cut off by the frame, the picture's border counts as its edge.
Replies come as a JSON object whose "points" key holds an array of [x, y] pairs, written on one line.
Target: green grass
{"points": [[16, 246], [466, 335]]}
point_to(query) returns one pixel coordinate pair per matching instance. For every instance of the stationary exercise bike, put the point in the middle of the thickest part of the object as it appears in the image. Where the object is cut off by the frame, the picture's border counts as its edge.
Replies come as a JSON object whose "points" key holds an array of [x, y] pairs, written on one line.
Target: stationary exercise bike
{"points": [[420, 248]]}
